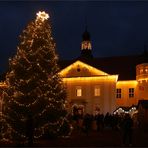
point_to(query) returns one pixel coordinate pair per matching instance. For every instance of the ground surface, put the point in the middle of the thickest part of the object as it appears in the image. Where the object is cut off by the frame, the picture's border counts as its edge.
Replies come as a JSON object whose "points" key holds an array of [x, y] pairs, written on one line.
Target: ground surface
{"points": [[106, 138]]}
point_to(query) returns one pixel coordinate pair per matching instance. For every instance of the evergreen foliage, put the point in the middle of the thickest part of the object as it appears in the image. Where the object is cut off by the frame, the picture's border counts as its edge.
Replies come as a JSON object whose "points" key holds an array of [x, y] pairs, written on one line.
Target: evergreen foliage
{"points": [[34, 85]]}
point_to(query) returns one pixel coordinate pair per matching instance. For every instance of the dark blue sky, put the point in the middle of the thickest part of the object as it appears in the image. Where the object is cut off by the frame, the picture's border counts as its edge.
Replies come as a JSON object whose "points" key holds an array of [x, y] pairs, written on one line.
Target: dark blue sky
{"points": [[116, 28]]}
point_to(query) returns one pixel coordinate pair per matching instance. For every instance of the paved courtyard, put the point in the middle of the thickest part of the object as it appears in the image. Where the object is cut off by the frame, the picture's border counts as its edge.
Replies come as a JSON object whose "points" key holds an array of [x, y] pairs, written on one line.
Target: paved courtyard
{"points": [[106, 138]]}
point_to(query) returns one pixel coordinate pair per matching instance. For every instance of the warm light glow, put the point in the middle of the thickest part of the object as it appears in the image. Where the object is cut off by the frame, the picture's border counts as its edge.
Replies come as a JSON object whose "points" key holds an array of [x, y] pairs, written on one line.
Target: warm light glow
{"points": [[94, 71], [143, 79], [41, 15], [86, 45], [131, 111], [3, 85], [97, 91], [128, 82], [103, 78], [79, 91]]}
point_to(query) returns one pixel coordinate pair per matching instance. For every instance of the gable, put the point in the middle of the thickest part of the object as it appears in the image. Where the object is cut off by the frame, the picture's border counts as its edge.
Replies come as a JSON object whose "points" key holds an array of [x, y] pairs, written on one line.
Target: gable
{"points": [[81, 69], [120, 65]]}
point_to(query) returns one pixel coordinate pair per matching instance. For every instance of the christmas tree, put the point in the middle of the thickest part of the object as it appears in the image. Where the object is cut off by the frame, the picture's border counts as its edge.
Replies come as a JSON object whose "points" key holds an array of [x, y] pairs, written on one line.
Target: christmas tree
{"points": [[35, 88]]}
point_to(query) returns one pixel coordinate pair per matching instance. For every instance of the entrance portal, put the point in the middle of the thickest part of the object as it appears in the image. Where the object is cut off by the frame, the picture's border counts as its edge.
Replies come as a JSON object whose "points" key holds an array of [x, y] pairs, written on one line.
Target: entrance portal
{"points": [[78, 109]]}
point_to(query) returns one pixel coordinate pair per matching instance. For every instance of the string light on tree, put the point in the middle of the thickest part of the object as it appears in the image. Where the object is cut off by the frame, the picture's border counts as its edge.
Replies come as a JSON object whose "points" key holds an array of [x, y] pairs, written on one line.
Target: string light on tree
{"points": [[41, 15], [34, 86]]}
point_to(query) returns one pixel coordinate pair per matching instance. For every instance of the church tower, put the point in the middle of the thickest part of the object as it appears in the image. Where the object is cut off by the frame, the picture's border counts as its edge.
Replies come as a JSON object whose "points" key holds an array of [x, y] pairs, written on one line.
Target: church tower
{"points": [[86, 47]]}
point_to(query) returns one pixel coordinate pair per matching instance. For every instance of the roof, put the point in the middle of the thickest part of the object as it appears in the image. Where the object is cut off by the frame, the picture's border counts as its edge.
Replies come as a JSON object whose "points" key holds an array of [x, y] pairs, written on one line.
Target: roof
{"points": [[124, 66], [144, 103]]}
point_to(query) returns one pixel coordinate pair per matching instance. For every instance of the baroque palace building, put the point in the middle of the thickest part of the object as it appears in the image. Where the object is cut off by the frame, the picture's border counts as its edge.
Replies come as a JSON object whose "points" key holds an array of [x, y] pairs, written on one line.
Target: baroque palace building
{"points": [[110, 84]]}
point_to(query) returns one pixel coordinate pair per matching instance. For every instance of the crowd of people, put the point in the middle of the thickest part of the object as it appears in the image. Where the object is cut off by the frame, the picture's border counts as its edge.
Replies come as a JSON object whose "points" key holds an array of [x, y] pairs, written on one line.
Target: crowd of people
{"points": [[87, 123]]}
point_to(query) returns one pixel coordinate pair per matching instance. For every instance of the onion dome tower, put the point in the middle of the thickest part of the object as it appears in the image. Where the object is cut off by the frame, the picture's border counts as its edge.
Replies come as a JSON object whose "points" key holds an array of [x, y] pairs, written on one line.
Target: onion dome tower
{"points": [[86, 47]]}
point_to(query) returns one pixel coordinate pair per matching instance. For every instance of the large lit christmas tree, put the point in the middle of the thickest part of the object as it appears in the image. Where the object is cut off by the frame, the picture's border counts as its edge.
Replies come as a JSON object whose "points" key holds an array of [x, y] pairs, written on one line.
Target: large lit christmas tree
{"points": [[34, 87]]}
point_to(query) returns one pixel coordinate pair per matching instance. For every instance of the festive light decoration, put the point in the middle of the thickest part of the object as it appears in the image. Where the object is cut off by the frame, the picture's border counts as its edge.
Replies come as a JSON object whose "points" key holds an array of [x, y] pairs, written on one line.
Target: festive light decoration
{"points": [[78, 64], [87, 79], [34, 86], [131, 111], [127, 82], [42, 15]]}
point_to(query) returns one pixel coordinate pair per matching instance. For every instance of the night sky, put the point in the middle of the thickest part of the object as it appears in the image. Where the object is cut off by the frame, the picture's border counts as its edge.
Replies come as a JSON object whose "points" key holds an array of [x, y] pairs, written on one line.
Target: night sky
{"points": [[116, 28]]}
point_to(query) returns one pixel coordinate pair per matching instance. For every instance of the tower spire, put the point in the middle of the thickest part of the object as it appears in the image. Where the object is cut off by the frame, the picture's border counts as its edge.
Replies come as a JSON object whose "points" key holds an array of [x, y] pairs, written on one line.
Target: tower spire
{"points": [[86, 47], [85, 23]]}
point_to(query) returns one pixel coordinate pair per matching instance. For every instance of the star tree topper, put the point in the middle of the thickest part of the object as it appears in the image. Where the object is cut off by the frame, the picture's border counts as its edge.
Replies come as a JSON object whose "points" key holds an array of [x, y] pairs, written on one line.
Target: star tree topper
{"points": [[41, 15]]}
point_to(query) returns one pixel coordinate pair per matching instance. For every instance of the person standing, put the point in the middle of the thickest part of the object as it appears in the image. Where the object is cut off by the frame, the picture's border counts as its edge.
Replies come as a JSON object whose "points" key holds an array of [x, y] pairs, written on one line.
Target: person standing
{"points": [[127, 127], [87, 122]]}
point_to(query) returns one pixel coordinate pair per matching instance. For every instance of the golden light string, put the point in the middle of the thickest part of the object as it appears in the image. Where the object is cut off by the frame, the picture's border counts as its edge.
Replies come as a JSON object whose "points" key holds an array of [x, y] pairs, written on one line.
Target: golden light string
{"points": [[46, 110], [43, 111], [5, 116], [14, 130], [23, 136], [43, 127], [22, 105]]}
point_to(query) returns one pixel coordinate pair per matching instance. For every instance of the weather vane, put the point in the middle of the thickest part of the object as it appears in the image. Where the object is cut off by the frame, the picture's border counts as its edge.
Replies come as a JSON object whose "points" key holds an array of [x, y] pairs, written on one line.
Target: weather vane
{"points": [[41, 15]]}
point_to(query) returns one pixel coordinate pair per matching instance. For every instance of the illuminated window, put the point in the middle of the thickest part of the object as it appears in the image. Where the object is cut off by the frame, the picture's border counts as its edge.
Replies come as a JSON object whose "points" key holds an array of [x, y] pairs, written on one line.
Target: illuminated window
{"points": [[131, 92], [97, 91], [118, 93], [78, 91]]}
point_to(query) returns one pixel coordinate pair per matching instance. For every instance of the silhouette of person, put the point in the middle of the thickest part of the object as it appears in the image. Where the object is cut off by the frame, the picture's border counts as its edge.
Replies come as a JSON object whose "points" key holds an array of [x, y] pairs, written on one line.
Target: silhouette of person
{"points": [[127, 130], [100, 122], [29, 130], [87, 123]]}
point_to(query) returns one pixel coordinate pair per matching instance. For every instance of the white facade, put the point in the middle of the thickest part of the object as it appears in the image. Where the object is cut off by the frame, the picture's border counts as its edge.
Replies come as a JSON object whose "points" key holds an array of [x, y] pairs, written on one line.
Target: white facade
{"points": [[89, 87]]}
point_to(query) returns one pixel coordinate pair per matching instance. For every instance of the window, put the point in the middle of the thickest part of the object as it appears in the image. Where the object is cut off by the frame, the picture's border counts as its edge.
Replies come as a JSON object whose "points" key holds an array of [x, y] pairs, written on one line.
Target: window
{"points": [[97, 91], [78, 91], [131, 92], [118, 93]]}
